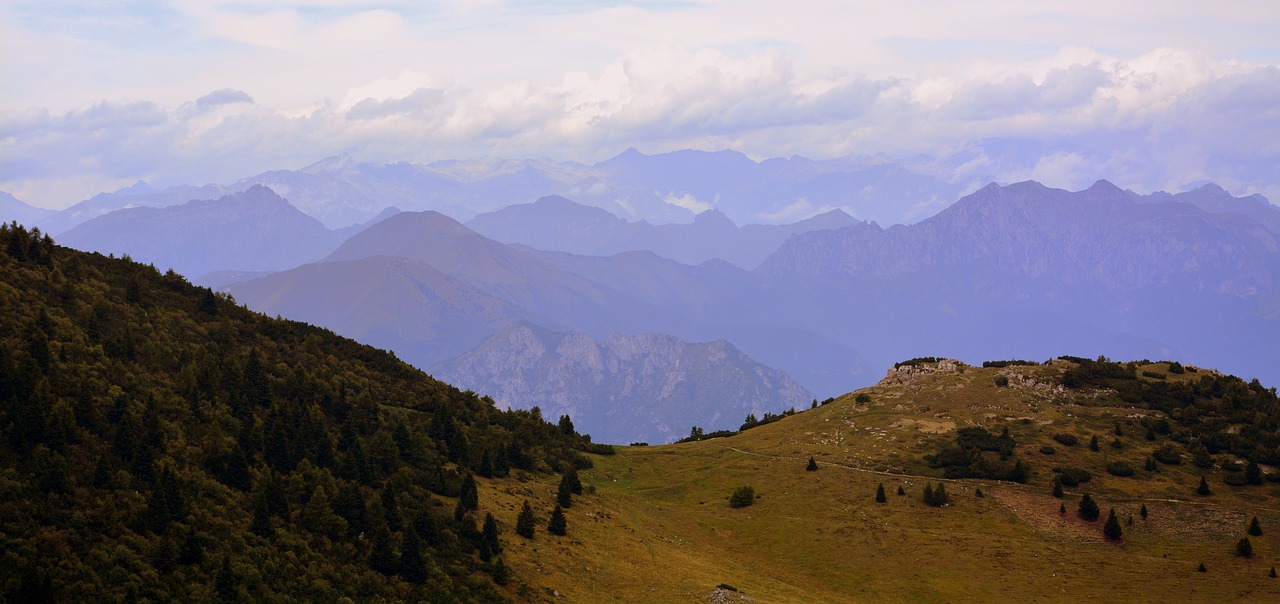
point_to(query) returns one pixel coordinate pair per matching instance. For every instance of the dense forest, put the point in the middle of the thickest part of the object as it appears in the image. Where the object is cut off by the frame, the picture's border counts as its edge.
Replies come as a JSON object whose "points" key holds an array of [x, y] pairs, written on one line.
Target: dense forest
{"points": [[162, 443]]}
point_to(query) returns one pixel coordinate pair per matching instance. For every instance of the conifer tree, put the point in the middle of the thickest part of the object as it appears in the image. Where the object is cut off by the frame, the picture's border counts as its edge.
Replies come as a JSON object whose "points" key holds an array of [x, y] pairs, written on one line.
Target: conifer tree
{"points": [[1093, 443], [1255, 528], [1143, 511], [1203, 489], [490, 532], [557, 524], [1272, 574], [1089, 508], [575, 483], [978, 492], [501, 574], [940, 495], [1112, 529], [1057, 487], [880, 498], [927, 496], [469, 498], [1244, 548], [525, 521], [564, 495], [1062, 508], [901, 491], [1202, 568], [813, 465], [1253, 473], [411, 567]]}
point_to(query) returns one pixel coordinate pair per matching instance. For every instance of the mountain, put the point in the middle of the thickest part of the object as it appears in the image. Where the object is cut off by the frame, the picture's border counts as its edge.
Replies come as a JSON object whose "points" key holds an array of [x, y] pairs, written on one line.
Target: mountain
{"points": [[12, 209], [648, 387], [557, 224], [160, 442], [1093, 270], [137, 195], [255, 230], [1214, 200]]}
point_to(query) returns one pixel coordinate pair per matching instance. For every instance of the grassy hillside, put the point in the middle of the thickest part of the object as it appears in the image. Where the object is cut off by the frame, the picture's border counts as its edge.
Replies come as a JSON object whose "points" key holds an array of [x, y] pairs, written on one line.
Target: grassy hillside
{"points": [[659, 527]]}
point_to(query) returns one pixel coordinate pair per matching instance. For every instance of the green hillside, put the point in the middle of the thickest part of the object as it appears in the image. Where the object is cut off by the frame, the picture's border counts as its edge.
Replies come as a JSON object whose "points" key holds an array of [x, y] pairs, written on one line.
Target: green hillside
{"points": [[162, 443]]}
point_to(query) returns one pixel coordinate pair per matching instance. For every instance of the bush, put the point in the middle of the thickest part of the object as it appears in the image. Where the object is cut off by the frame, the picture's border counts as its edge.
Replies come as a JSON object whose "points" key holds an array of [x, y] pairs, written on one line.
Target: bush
{"points": [[742, 497], [1167, 455], [1244, 548], [1073, 476], [1235, 479], [1066, 439], [1001, 381], [862, 399], [1120, 468], [1047, 450]]}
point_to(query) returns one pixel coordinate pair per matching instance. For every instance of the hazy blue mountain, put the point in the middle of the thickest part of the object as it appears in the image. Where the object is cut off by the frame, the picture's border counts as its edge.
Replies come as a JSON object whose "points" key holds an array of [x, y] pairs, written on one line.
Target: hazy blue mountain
{"points": [[255, 230], [138, 195], [346, 233], [647, 387], [11, 209], [1025, 270], [558, 224], [1214, 200]]}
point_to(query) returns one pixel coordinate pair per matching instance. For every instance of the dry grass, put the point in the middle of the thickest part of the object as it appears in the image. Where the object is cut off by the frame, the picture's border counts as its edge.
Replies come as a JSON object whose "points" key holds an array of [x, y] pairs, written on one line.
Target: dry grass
{"points": [[658, 527]]}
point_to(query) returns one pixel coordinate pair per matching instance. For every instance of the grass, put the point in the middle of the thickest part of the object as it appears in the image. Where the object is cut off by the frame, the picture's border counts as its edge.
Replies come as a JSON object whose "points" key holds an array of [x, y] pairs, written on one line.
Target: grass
{"points": [[656, 525]]}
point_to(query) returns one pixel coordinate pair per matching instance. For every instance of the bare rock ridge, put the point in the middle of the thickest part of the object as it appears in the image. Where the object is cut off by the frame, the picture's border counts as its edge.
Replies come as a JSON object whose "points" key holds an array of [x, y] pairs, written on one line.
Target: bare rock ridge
{"points": [[647, 387]]}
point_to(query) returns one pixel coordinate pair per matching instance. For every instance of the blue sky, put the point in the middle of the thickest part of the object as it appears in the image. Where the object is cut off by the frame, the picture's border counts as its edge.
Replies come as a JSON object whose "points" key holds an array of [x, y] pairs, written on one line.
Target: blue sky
{"points": [[1152, 95]]}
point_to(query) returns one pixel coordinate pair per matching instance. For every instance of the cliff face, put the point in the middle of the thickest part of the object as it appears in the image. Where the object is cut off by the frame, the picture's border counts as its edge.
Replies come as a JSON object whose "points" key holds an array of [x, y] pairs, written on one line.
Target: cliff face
{"points": [[647, 387]]}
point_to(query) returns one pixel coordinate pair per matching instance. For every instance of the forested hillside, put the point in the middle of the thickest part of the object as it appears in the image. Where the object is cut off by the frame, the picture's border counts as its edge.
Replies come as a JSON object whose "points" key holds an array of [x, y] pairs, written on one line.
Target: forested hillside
{"points": [[161, 442]]}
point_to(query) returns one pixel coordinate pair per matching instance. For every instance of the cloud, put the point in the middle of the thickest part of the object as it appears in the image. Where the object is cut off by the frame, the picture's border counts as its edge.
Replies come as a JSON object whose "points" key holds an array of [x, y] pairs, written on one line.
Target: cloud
{"points": [[226, 96], [687, 201]]}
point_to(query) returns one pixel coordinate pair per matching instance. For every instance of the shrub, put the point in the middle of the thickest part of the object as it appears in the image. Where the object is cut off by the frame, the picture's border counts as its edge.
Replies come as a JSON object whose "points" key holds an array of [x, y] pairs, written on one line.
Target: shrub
{"points": [[1203, 489], [1176, 368], [1047, 450], [1255, 528], [1071, 476], [1167, 455], [812, 466], [742, 497], [862, 399], [1066, 439], [1120, 468], [1235, 479], [1153, 375], [1001, 381]]}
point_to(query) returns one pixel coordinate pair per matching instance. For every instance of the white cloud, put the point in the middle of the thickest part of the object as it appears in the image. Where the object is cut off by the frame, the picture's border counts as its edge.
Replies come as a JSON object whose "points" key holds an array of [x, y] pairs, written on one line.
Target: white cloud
{"points": [[687, 201]]}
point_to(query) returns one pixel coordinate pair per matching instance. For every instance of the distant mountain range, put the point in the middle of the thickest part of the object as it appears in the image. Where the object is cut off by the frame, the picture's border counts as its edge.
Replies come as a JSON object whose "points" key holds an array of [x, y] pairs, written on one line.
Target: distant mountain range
{"points": [[12, 209], [664, 188], [255, 230]]}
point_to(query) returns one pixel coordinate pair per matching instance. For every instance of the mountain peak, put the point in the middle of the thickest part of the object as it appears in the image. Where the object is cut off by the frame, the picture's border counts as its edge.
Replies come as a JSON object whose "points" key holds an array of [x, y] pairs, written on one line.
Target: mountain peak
{"points": [[714, 218]]}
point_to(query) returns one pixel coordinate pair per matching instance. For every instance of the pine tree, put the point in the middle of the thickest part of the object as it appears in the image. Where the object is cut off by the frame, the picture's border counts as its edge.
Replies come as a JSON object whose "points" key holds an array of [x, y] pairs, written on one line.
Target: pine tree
{"points": [[1089, 508], [927, 496], [411, 567], [880, 498], [1112, 528], [382, 556], [564, 495], [501, 574], [469, 498], [1093, 443], [1255, 528], [575, 483], [940, 495], [557, 524], [1272, 574], [1062, 508], [1143, 511], [978, 492], [1202, 568], [490, 532], [525, 521], [813, 465], [901, 491], [1244, 548], [224, 583], [1253, 473], [1203, 489], [1057, 487]]}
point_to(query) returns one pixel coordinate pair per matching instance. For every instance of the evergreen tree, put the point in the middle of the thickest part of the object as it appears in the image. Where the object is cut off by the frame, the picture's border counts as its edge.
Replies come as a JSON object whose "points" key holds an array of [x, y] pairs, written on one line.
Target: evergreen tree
{"points": [[382, 556], [940, 495], [880, 498], [261, 523], [742, 497], [978, 492], [1057, 487], [469, 498], [490, 532], [318, 516], [1202, 568], [566, 425], [927, 495], [525, 521], [1272, 574], [901, 491], [575, 483], [1089, 508], [411, 567], [501, 574], [1062, 508], [1203, 489], [1143, 511], [224, 583], [557, 524], [1253, 473], [1112, 528], [1093, 443], [1255, 528], [1244, 548], [813, 465], [564, 495]]}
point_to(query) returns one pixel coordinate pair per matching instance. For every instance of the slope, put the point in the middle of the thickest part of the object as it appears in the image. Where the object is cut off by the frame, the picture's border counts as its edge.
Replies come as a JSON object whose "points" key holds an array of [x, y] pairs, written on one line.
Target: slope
{"points": [[655, 523], [161, 443]]}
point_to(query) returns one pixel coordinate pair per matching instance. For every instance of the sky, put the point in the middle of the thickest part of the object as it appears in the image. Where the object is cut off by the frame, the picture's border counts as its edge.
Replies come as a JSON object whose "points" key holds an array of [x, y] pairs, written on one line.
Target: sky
{"points": [[96, 95]]}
